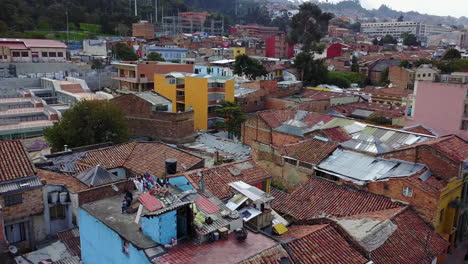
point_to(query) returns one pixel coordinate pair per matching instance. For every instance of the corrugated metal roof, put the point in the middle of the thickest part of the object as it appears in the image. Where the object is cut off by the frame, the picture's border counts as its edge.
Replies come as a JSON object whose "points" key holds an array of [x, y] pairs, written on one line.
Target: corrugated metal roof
{"points": [[360, 168], [206, 205], [69, 260], [153, 98], [23, 184], [362, 113], [150, 202]]}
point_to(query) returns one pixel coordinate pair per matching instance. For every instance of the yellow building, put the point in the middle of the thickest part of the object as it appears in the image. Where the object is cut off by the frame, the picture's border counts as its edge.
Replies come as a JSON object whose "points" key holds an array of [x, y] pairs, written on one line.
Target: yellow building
{"points": [[236, 51], [200, 93]]}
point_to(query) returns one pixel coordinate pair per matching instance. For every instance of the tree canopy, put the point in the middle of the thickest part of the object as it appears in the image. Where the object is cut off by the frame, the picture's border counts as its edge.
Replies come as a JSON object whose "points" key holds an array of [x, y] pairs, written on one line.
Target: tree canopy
{"points": [[313, 72], [233, 116], [452, 54], [88, 123], [123, 52], [154, 56], [410, 39], [309, 25], [249, 67]]}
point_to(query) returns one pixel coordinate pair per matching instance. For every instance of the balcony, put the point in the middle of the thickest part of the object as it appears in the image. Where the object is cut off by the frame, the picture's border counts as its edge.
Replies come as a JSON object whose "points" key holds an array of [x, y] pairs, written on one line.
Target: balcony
{"points": [[125, 79], [180, 99]]}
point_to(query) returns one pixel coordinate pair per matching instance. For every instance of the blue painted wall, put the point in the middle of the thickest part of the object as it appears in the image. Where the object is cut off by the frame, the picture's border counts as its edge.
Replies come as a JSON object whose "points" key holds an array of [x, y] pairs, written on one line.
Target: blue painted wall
{"points": [[100, 244], [160, 228], [215, 70], [181, 182], [168, 53]]}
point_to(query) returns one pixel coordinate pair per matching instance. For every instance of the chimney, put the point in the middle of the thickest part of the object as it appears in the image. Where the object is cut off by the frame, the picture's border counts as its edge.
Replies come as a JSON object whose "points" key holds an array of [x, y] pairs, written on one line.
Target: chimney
{"points": [[171, 166]]}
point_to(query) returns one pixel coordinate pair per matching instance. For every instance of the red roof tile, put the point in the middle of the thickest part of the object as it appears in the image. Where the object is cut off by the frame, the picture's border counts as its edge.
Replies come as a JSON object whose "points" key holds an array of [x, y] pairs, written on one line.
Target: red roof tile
{"points": [[150, 202], [420, 129], [324, 245], [71, 239], [206, 205], [53, 178], [14, 161], [140, 157], [385, 110], [413, 242], [270, 256], [323, 95], [217, 179], [336, 134], [318, 197], [312, 151]]}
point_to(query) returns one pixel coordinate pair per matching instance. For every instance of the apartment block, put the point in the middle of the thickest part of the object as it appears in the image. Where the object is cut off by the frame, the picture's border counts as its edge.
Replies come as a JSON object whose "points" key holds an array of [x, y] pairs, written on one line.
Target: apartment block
{"points": [[32, 50], [200, 93], [395, 29]]}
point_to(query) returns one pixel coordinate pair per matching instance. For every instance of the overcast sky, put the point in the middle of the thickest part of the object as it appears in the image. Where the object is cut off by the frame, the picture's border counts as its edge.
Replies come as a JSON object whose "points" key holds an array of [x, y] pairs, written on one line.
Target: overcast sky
{"points": [[456, 8]]}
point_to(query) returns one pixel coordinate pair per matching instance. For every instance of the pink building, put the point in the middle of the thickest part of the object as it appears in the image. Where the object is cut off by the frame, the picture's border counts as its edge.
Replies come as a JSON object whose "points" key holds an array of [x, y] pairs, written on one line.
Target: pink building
{"points": [[441, 106]]}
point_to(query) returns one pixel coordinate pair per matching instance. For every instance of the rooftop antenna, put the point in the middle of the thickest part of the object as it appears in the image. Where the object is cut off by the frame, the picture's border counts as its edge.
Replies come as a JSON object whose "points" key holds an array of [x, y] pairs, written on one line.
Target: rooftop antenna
{"points": [[136, 8]]}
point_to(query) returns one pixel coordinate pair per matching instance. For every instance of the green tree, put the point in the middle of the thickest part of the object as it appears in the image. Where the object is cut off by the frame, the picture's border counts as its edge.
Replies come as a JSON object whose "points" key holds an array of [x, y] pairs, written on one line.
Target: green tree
{"points": [[123, 52], [410, 39], [233, 116], [87, 123], [309, 25], [388, 39], [313, 72], [338, 79], [122, 30], [452, 54], [405, 64], [154, 56], [354, 64], [375, 41], [249, 67]]}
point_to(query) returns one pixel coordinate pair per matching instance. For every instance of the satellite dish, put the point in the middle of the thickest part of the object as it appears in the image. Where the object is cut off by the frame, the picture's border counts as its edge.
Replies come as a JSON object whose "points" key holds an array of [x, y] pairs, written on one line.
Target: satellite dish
{"points": [[114, 187]]}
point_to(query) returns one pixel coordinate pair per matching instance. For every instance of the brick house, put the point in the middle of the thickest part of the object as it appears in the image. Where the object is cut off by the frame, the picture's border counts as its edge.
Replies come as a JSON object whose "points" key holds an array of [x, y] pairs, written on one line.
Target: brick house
{"points": [[292, 164], [401, 77], [446, 157], [376, 68], [20, 196], [149, 115], [320, 201], [280, 127]]}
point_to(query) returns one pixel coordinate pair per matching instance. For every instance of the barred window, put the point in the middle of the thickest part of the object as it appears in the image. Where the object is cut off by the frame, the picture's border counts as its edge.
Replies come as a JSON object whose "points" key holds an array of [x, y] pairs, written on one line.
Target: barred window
{"points": [[290, 161], [13, 199]]}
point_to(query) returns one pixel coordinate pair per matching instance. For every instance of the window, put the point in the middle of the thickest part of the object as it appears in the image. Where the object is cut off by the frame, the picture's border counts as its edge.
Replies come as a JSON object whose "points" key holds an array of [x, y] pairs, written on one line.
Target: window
{"points": [[408, 192], [290, 161], [386, 187], [24, 54], [424, 75], [161, 108], [44, 54], [180, 93], [52, 54], [13, 199], [464, 125], [16, 232], [60, 54], [57, 212], [16, 54], [306, 165]]}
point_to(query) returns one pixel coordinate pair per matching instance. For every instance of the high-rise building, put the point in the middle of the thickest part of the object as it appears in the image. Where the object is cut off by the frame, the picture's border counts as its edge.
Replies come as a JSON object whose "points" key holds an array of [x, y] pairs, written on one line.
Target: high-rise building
{"points": [[396, 29]]}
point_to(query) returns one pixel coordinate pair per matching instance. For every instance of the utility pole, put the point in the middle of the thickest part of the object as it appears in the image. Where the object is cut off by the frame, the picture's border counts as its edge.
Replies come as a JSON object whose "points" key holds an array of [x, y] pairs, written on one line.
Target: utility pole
{"points": [[136, 8], [66, 12], [155, 11]]}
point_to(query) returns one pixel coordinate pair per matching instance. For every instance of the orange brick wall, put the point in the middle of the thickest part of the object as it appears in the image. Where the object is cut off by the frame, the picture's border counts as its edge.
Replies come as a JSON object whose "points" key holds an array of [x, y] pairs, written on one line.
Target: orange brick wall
{"points": [[256, 129], [32, 204]]}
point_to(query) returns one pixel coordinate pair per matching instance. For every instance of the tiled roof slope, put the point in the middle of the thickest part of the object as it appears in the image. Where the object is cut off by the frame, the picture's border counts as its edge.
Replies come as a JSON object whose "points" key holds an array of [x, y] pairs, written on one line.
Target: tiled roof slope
{"points": [[311, 151], [140, 157], [336, 134], [14, 161], [217, 179], [318, 197], [421, 129], [53, 178], [413, 242], [323, 246], [269, 256]]}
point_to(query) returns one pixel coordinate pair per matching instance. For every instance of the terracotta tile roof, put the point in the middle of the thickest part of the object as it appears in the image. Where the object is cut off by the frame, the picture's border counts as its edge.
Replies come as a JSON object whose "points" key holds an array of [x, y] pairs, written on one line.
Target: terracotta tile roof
{"points": [[71, 87], [336, 134], [14, 161], [451, 146], [324, 245], [270, 256], [299, 231], [318, 197], [421, 129], [274, 118], [413, 242], [140, 157], [217, 179], [71, 239], [385, 110], [312, 151], [323, 95], [53, 178]]}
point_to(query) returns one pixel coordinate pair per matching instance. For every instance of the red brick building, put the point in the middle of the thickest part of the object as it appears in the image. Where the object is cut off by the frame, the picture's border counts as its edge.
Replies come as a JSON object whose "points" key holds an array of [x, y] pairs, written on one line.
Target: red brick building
{"points": [[401, 78], [149, 116], [21, 202]]}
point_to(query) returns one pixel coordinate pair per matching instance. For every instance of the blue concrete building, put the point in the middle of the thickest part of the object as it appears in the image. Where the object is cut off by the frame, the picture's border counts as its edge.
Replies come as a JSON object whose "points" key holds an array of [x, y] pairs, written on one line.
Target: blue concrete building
{"points": [[169, 54], [213, 70]]}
